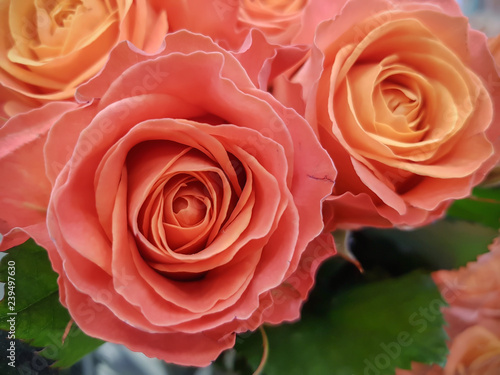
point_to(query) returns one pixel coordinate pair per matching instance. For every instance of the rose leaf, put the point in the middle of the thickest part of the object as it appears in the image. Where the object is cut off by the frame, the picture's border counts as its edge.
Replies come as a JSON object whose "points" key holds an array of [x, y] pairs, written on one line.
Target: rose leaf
{"points": [[368, 330], [482, 207], [33, 313], [446, 244]]}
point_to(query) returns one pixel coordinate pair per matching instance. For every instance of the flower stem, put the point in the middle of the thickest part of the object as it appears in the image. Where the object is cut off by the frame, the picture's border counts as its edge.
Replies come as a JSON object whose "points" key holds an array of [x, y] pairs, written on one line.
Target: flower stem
{"points": [[265, 354]]}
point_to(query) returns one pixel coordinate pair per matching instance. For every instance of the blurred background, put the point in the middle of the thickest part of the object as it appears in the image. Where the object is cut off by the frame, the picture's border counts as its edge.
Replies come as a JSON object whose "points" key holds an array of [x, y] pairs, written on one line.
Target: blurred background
{"points": [[484, 15]]}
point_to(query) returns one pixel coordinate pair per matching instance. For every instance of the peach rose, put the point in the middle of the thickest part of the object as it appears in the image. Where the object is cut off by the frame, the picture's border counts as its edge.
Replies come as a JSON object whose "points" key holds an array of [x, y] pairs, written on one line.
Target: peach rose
{"points": [[404, 107], [475, 351], [286, 21], [48, 48], [185, 203], [473, 293], [229, 21]]}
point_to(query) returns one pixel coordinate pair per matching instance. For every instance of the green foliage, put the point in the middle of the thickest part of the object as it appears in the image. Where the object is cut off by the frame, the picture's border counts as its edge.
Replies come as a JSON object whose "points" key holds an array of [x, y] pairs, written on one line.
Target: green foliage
{"points": [[39, 317], [482, 207], [446, 244], [368, 330]]}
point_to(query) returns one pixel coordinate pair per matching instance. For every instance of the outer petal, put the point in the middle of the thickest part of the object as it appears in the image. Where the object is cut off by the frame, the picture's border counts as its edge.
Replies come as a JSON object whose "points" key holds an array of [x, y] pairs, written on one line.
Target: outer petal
{"points": [[264, 61], [188, 349], [494, 46], [24, 187], [288, 298], [215, 18]]}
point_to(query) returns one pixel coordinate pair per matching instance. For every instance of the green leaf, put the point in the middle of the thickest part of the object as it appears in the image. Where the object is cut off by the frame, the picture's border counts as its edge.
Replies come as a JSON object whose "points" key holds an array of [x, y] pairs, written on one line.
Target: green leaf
{"points": [[369, 330], [35, 312], [446, 244], [483, 207]]}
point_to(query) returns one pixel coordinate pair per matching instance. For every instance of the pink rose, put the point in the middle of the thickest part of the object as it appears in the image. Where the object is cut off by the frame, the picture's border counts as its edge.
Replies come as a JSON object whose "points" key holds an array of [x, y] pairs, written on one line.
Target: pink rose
{"points": [[404, 107], [185, 203], [475, 351], [472, 318], [473, 293], [48, 48]]}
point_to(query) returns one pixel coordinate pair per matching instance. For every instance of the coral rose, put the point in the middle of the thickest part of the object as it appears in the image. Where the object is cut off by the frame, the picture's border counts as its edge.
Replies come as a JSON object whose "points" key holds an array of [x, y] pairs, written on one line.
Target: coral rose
{"points": [[404, 107], [475, 351], [49, 47], [186, 203]]}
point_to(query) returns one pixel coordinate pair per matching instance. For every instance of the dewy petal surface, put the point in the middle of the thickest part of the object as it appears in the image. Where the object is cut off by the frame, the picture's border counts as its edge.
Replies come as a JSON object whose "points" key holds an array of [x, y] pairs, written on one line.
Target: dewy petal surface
{"points": [[24, 187]]}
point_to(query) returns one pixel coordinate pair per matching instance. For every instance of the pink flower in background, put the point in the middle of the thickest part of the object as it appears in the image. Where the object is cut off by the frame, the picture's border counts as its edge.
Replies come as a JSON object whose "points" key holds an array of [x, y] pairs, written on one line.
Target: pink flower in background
{"points": [[48, 48], [475, 351], [407, 111], [184, 204], [473, 293], [472, 318], [24, 186]]}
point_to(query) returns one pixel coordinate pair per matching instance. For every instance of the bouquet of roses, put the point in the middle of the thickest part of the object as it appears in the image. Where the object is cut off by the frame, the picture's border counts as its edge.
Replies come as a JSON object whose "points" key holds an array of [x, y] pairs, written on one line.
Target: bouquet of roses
{"points": [[173, 174]]}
